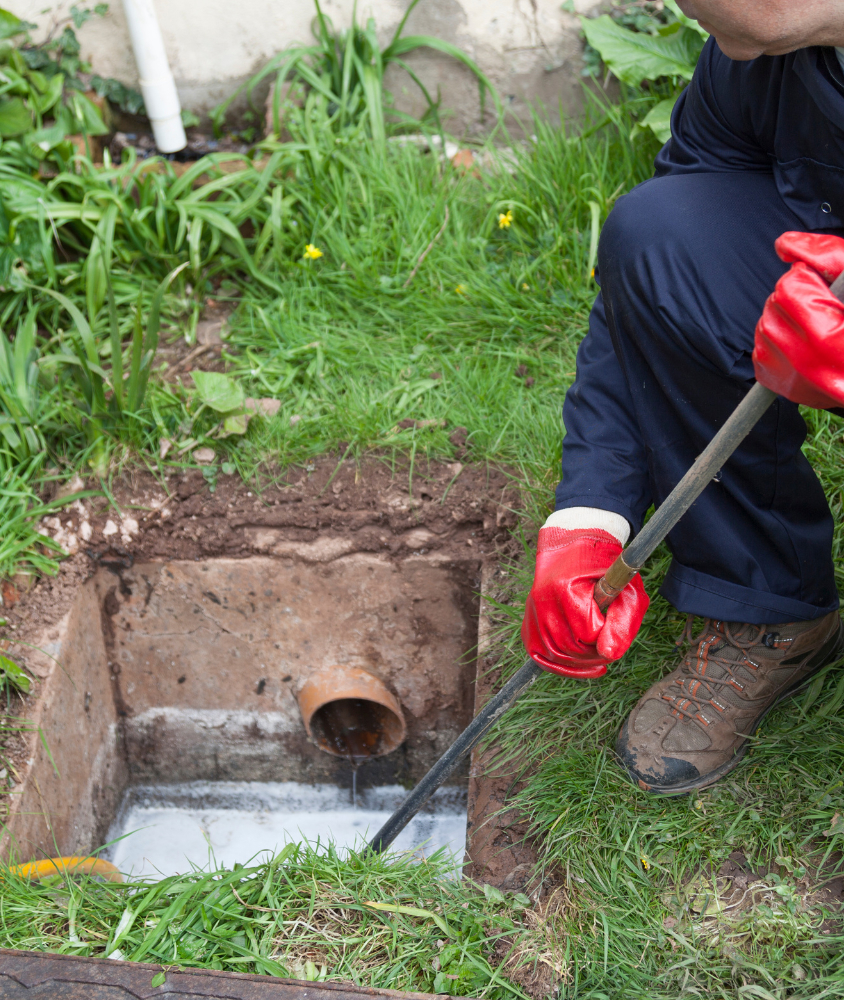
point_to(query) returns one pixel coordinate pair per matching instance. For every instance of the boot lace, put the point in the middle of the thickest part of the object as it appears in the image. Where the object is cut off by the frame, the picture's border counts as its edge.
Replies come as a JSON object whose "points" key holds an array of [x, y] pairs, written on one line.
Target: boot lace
{"points": [[699, 687]]}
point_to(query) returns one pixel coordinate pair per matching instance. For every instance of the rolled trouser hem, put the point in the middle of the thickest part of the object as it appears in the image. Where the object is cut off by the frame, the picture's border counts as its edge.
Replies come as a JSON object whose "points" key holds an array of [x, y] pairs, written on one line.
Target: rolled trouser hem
{"points": [[700, 594]]}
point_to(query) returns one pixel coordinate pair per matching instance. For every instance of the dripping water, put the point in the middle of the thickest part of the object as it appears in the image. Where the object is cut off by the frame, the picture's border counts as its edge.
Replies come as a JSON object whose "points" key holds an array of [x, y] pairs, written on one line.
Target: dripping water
{"points": [[354, 728]]}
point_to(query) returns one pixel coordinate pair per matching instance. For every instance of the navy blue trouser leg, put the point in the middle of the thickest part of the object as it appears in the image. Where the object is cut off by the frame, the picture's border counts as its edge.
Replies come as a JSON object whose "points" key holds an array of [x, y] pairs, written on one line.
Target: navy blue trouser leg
{"points": [[685, 264]]}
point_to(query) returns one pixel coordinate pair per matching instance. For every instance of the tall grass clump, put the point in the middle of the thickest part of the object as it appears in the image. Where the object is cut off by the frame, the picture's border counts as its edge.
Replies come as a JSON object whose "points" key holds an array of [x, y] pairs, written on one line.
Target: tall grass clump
{"points": [[384, 922], [344, 71]]}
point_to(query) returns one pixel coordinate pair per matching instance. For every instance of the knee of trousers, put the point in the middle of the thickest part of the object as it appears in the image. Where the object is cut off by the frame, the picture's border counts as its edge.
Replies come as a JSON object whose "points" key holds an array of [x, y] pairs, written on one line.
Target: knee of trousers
{"points": [[639, 237], [689, 261]]}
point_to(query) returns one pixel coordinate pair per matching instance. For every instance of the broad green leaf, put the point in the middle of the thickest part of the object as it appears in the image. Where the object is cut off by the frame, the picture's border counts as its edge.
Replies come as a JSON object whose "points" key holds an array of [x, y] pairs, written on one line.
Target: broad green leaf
{"points": [[10, 671], [15, 119], [11, 25], [634, 56], [51, 94], [443, 982], [685, 20], [159, 979], [88, 118], [235, 424], [658, 119], [45, 139], [218, 391], [493, 895]]}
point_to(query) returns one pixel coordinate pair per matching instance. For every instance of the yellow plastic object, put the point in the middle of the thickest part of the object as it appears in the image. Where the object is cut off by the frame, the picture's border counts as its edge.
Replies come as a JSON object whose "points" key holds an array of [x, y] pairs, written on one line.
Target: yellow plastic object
{"points": [[74, 865]]}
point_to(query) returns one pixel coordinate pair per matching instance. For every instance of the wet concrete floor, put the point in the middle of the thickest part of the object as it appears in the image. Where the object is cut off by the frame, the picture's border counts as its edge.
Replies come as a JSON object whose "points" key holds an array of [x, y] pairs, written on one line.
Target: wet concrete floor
{"points": [[168, 829]]}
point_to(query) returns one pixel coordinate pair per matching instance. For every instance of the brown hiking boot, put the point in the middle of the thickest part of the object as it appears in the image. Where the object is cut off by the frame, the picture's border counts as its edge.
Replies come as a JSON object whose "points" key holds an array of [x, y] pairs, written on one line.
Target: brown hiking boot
{"points": [[691, 727]]}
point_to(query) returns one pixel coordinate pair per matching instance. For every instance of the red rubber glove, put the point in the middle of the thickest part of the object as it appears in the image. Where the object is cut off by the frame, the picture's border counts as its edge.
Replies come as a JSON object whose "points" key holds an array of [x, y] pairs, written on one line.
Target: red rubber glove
{"points": [[563, 628], [799, 350]]}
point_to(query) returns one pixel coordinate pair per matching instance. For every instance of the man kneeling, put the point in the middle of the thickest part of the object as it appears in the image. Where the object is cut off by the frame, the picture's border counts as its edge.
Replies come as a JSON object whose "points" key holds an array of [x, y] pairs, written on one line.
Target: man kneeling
{"points": [[687, 264]]}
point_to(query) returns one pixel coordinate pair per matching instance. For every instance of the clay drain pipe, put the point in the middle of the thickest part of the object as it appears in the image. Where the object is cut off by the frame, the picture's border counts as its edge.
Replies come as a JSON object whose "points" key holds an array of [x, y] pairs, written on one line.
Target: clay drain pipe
{"points": [[351, 713]]}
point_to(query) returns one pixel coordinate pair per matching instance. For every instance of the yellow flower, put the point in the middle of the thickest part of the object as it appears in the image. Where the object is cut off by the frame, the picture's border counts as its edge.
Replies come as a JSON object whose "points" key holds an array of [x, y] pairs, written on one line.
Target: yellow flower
{"points": [[504, 219], [312, 252], [462, 289], [645, 862], [525, 286]]}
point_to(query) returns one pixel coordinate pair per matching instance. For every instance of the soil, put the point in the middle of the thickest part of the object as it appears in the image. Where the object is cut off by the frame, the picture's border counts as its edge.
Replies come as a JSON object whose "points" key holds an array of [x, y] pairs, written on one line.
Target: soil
{"points": [[369, 506], [715, 905], [205, 354], [199, 144], [745, 885], [498, 846]]}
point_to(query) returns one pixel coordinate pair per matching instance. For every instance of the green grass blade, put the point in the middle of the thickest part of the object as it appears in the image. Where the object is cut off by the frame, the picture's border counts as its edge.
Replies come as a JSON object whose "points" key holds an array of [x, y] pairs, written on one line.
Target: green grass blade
{"points": [[116, 346], [403, 46], [132, 389], [150, 340]]}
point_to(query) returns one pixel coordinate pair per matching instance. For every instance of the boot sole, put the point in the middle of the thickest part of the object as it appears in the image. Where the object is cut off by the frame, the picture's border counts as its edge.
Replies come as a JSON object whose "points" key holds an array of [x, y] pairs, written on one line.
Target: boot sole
{"points": [[705, 780]]}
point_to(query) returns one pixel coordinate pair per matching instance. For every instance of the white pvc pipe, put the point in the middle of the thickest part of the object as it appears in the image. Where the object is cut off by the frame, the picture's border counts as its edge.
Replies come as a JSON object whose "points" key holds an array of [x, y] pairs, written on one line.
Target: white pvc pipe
{"points": [[156, 79]]}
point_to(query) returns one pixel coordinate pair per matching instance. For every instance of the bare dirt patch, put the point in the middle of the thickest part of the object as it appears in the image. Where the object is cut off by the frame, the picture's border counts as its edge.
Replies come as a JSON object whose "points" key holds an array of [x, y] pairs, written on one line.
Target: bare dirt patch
{"points": [[744, 900], [176, 357], [456, 510]]}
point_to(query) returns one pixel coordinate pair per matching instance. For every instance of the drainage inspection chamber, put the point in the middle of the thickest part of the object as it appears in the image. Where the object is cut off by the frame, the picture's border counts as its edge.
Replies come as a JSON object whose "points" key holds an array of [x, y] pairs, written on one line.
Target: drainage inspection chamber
{"points": [[228, 706]]}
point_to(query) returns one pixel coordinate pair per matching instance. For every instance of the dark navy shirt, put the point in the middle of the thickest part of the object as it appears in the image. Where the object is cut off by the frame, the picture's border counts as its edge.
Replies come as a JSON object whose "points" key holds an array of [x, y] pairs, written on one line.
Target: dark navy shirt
{"points": [[780, 114]]}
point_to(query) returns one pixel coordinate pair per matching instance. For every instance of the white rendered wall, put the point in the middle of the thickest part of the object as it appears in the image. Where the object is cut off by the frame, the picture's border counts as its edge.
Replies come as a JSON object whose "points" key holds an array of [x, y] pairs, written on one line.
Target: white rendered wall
{"points": [[529, 48]]}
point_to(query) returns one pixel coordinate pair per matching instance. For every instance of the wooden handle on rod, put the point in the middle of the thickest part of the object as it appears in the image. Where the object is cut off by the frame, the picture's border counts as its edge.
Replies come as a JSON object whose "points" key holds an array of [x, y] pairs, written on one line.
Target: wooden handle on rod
{"points": [[613, 582]]}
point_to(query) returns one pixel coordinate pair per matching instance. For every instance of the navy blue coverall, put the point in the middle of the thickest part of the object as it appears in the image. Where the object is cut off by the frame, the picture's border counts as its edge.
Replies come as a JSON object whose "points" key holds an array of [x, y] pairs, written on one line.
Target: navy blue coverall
{"points": [[685, 263]]}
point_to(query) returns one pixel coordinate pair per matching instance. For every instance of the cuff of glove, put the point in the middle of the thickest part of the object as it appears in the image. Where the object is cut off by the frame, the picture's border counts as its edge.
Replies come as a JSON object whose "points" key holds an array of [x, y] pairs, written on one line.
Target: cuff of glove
{"points": [[573, 518]]}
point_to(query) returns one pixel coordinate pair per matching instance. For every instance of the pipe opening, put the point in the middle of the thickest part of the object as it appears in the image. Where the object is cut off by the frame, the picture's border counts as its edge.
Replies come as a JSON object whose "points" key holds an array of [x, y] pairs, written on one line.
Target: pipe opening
{"points": [[351, 713], [356, 728]]}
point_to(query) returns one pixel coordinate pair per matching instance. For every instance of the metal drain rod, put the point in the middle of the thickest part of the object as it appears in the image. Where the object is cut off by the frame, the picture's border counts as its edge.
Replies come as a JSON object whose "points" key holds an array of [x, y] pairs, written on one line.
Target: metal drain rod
{"points": [[466, 741]]}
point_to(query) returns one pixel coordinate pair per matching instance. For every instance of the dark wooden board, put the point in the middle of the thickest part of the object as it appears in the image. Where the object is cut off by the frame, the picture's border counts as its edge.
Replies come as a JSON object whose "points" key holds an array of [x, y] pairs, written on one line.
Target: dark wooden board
{"points": [[28, 975]]}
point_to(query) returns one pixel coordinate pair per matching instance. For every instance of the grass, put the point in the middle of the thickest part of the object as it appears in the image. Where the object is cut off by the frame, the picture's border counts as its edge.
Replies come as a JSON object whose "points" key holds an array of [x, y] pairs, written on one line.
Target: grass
{"points": [[387, 923], [352, 343], [348, 342], [632, 855]]}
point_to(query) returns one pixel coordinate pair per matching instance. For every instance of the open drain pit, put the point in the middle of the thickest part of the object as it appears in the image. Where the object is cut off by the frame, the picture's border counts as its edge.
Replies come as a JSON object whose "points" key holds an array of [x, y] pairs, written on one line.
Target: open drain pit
{"points": [[235, 705]]}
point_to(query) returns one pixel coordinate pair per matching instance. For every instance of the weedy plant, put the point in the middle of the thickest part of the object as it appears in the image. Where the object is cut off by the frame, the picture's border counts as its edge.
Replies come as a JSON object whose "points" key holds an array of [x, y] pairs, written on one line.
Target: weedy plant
{"points": [[42, 93], [344, 71], [22, 547], [648, 42], [23, 416]]}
